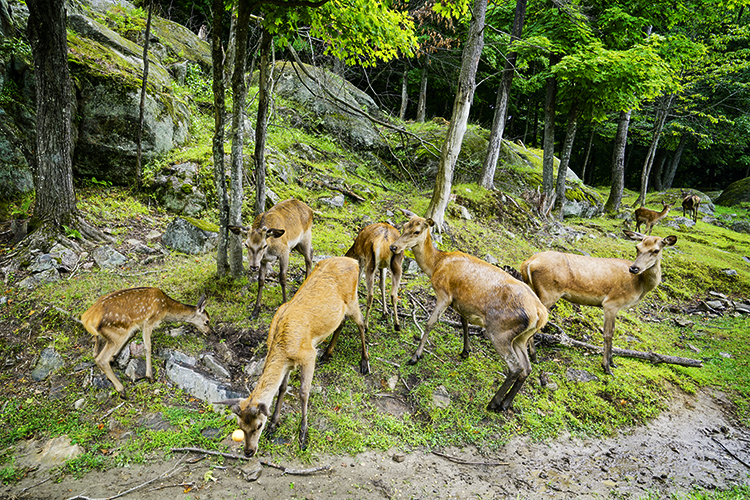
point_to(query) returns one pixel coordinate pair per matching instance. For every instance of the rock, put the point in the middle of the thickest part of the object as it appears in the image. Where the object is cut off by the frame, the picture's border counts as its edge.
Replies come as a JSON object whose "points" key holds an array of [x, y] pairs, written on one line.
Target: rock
{"points": [[155, 421], [251, 470], [683, 322], [107, 257], [336, 202], [580, 375], [66, 258], [136, 369], [54, 453], [729, 272], [33, 281], [410, 266], [80, 403], [440, 397], [735, 193], [392, 381], [399, 457], [198, 384], [216, 367], [185, 235], [254, 368], [176, 189], [49, 362]]}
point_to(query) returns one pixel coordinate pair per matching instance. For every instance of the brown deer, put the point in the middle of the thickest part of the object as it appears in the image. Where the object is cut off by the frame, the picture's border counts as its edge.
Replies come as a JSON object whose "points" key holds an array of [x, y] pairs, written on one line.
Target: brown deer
{"points": [[275, 233], [690, 204], [483, 295], [612, 284], [324, 300], [649, 217], [114, 318], [372, 249]]}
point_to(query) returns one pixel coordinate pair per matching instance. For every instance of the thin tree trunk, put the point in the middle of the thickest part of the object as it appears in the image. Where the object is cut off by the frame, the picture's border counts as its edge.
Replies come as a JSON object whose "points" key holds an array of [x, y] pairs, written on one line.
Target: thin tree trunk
{"points": [[562, 170], [460, 116], [658, 173], [661, 118], [588, 154], [422, 104], [220, 178], [548, 161], [487, 179], [261, 125], [618, 163], [230, 55], [404, 93], [239, 92], [142, 107], [672, 170], [55, 201]]}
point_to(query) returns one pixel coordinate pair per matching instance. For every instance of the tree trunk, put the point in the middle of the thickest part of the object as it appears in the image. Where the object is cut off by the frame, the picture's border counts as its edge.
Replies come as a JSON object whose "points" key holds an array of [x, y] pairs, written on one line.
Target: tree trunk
{"points": [[261, 125], [55, 201], [661, 117], [672, 170], [548, 161], [588, 154], [487, 179], [460, 116], [562, 170], [658, 174], [239, 93], [142, 107], [422, 105], [231, 52], [618, 164], [404, 93], [220, 178]]}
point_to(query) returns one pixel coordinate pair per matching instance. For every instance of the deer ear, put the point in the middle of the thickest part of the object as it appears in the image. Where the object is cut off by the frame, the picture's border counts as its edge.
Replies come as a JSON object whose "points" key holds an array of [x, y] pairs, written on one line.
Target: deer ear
{"points": [[634, 236], [233, 404], [263, 408], [275, 233], [201, 303], [669, 240], [430, 222]]}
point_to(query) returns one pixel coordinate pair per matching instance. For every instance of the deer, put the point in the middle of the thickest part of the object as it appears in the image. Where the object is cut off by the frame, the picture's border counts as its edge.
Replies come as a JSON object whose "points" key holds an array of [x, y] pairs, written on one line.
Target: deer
{"points": [[610, 283], [326, 298], [483, 295], [372, 250], [274, 234], [114, 319], [649, 217], [690, 204]]}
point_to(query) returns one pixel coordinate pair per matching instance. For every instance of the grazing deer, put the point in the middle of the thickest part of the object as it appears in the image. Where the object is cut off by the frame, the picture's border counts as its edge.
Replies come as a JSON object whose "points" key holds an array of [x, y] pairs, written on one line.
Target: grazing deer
{"points": [[372, 249], [483, 295], [275, 233], [114, 318], [612, 284], [649, 217], [324, 300], [690, 204]]}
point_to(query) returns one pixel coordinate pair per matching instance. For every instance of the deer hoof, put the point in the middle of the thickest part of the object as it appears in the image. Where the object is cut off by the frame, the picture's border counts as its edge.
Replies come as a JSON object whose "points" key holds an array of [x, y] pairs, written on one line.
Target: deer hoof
{"points": [[414, 359], [364, 367], [464, 354], [397, 327]]}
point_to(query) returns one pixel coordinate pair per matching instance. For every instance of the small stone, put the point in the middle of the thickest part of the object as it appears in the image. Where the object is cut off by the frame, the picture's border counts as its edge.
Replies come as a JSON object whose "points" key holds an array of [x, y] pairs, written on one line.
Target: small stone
{"points": [[399, 457]]}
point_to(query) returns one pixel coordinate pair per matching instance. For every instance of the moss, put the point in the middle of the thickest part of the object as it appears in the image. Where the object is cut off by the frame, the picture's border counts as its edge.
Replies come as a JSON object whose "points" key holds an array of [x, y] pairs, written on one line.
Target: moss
{"points": [[205, 226]]}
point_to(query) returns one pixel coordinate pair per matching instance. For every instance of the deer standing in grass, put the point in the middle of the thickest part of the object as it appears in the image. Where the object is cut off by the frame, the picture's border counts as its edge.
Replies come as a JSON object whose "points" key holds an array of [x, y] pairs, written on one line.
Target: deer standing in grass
{"points": [[319, 307], [372, 249], [649, 217], [275, 233], [690, 204], [483, 295], [114, 318], [612, 284]]}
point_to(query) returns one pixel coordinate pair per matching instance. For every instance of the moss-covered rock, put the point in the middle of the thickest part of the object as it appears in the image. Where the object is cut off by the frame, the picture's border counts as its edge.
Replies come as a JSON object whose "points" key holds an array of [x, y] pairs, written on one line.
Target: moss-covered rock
{"points": [[735, 193]]}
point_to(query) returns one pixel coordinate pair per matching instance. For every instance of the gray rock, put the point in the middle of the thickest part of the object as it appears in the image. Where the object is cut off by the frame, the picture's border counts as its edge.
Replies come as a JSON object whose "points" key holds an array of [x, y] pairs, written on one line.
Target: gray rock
{"points": [[54, 453], [580, 375], [43, 262], [184, 236], [410, 266], [136, 369], [49, 362], [251, 470], [217, 368], [177, 191], [336, 202], [198, 384], [67, 258], [440, 397], [107, 257]]}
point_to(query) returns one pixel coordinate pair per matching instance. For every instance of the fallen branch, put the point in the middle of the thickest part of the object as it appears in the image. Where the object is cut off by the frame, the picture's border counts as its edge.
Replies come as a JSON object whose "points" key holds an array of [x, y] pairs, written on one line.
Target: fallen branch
{"points": [[286, 470], [104, 417], [163, 476], [347, 192], [730, 453], [654, 357], [468, 462]]}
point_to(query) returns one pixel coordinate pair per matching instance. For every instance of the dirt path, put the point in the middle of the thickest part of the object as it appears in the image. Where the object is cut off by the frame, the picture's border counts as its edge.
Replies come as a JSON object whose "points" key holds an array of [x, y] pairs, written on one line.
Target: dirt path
{"points": [[680, 450]]}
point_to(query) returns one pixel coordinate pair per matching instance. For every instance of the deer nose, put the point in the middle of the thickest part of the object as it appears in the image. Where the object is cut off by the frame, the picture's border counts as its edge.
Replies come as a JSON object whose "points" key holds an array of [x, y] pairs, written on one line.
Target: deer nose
{"points": [[635, 269], [249, 453], [254, 268], [393, 248]]}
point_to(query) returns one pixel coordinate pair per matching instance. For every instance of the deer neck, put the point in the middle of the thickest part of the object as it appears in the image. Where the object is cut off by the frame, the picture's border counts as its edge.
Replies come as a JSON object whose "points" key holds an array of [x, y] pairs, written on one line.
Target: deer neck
{"points": [[269, 381], [651, 277], [426, 255], [177, 311]]}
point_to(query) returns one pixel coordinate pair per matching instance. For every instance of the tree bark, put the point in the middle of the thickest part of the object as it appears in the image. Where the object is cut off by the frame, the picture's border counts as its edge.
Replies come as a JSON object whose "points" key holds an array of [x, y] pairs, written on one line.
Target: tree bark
{"points": [[142, 106], [658, 173], [562, 170], [261, 125], [404, 93], [588, 154], [487, 179], [220, 178], [239, 92], [672, 170], [461, 106], [618, 163], [422, 104], [548, 161], [661, 118], [55, 201]]}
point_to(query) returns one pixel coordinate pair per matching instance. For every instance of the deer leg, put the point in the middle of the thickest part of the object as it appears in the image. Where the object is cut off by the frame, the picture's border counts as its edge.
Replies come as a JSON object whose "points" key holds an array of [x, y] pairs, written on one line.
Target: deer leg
{"points": [[147, 348], [465, 326], [111, 347], [370, 283], [382, 291], [283, 265], [328, 353], [356, 315], [261, 282], [609, 327], [271, 428], [513, 353], [440, 306], [305, 383], [395, 283], [304, 247]]}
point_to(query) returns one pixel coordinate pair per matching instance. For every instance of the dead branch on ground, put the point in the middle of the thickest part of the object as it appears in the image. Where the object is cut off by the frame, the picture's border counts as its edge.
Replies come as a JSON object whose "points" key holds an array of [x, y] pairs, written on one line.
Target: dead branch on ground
{"points": [[467, 462], [285, 470]]}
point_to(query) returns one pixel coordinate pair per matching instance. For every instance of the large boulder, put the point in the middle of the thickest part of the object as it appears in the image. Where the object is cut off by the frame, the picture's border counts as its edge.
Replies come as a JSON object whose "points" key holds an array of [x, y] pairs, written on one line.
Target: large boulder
{"points": [[735, 193]]}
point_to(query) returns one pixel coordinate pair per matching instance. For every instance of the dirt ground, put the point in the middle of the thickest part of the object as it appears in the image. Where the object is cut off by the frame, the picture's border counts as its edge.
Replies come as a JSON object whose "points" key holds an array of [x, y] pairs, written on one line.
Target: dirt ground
{"points": [[692, 445]]}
